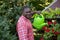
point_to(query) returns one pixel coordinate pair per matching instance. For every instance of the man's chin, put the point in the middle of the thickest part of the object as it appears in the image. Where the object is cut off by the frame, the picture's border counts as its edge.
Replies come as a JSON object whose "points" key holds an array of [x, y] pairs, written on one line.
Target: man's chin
{"points": [[29, 17]]}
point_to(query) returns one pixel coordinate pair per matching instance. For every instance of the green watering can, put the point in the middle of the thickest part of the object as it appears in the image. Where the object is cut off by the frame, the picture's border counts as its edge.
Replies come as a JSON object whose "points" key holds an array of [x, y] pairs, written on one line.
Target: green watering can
{"points": [[38, 22]]}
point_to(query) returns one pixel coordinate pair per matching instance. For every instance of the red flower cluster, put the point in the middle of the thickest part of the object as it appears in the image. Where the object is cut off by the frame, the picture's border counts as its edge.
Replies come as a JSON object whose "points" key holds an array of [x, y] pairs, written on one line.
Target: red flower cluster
{"points": [[46, 29], [41, 38], [54, 22], [53, 30], [50, 22], [56, 33]]}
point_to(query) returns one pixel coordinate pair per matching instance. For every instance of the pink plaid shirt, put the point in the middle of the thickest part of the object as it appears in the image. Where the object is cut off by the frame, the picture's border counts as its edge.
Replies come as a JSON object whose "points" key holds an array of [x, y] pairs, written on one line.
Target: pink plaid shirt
{"points": [[24, 29]]}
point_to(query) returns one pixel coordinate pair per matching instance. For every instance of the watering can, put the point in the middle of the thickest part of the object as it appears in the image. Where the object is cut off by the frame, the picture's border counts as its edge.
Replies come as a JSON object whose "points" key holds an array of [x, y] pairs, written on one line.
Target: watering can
{"points": [[38, 22]]}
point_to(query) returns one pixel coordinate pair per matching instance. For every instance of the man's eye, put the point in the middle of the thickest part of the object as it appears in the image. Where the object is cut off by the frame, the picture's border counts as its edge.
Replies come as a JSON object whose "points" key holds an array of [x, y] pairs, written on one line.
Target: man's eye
{"points": [[28, 12]]}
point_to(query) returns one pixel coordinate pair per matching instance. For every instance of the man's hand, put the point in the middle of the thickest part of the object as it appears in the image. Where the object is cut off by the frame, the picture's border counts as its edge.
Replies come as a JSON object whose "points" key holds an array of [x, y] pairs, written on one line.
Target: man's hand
{"points": [[37, 12]]}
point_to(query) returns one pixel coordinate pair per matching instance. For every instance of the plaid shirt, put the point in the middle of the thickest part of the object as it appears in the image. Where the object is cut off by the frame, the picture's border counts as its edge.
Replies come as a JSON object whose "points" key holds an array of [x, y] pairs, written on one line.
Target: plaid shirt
{"points": [[24, 29]]}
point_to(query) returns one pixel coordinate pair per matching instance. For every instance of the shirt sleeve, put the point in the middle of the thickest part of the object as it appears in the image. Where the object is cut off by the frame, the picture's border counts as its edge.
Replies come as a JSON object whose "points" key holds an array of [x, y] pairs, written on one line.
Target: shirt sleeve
{"points": [[21, 29]]}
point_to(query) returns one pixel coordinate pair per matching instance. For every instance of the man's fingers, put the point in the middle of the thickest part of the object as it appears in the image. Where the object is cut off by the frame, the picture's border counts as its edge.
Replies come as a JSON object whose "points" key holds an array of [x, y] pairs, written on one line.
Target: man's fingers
{"points": [[38, 11]]}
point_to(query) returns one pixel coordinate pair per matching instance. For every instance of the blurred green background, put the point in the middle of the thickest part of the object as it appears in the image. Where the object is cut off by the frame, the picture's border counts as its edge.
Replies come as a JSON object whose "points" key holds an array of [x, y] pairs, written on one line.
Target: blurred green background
{"points": [[10, 11]]}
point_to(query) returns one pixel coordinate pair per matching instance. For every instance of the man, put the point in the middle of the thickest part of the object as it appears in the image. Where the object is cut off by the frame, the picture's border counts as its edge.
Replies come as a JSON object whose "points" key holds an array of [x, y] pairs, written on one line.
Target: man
{"points": [[24, 26]]}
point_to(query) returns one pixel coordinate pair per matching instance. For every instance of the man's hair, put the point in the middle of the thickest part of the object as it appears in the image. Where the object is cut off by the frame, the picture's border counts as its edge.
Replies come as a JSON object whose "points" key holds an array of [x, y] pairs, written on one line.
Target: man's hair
{"points": [[24, 7]]}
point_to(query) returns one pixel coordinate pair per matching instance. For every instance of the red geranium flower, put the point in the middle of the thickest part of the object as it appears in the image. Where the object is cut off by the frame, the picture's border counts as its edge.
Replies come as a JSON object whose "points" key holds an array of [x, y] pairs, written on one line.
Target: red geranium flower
{"points": [[41, 38], [44, 28], [54, 23], [56, 33], [53, 30], [49, 22], [47, 30]]}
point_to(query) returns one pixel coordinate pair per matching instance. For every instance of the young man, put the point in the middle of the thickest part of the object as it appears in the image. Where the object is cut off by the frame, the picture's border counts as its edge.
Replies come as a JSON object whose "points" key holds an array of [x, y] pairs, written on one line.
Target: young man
{"points": [[24, 26]]}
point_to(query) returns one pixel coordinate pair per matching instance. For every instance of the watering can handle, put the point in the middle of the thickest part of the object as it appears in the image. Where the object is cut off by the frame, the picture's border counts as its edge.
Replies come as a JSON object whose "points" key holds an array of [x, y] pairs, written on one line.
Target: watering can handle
{"points": [[39, 15]]}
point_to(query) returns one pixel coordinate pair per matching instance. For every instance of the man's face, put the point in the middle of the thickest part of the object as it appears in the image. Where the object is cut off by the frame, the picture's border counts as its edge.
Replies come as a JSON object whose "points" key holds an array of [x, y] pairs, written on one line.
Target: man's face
{"points": [[27, 12]]}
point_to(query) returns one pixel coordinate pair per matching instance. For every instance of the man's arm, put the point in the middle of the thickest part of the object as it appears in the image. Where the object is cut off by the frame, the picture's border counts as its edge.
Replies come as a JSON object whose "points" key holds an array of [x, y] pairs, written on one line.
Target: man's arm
{"points": [[21, 29], [36, 12]]}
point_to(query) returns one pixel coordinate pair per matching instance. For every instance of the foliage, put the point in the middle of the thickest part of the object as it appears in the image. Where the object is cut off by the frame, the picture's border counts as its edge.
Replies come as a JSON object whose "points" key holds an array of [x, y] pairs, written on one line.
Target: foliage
{"points": [[52, 13]]}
